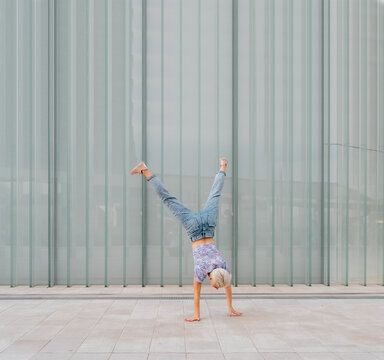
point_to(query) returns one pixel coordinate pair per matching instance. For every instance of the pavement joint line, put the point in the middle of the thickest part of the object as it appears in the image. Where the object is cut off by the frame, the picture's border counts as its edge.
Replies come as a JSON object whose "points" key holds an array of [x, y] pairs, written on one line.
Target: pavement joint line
{"points": [[191, 294], [373, 296]]}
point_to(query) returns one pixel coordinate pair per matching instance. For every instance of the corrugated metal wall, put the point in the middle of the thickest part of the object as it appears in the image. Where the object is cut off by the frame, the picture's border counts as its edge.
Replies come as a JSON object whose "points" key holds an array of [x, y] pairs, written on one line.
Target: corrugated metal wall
{"points": [[291, 91]]}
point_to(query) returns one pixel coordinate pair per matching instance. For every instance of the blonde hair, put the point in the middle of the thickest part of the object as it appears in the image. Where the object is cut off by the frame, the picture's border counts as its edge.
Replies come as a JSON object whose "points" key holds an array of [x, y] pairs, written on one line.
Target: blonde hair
{"points": [[221, 277]]}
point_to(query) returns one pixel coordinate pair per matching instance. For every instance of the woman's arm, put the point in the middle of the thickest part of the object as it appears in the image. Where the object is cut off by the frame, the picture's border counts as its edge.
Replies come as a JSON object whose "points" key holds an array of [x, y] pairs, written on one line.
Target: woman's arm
{"points": [[228, 291], [196, 288]]}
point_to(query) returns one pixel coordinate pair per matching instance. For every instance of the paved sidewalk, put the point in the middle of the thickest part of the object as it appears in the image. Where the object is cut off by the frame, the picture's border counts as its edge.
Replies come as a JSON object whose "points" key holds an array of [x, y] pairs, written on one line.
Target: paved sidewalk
{"points": [[117, 323]]}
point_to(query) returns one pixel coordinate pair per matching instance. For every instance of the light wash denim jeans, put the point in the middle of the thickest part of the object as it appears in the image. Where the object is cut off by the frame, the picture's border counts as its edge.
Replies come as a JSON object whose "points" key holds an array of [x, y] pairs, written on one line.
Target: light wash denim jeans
{"points": [[198, 225]]}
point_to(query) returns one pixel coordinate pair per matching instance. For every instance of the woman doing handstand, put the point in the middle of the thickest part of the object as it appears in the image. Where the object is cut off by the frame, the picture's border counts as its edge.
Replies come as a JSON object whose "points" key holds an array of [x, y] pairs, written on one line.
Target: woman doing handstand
{"points": [[200, 227]]}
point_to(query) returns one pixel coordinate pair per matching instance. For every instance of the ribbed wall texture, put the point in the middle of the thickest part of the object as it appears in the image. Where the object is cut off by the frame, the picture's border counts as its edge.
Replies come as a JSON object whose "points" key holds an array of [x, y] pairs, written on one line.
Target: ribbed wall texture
{"points": [[291, 91], [355, 143]]}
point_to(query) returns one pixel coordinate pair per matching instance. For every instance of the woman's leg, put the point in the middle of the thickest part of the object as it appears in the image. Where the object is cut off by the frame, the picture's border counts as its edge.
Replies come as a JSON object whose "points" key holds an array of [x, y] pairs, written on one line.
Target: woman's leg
{"points": [[177, 208], [212, 204]]}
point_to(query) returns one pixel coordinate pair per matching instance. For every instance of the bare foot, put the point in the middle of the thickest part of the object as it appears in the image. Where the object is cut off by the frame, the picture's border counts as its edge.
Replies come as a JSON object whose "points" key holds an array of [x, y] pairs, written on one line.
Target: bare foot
{"points": [[195, 318], [139, 168], [234, 312]]}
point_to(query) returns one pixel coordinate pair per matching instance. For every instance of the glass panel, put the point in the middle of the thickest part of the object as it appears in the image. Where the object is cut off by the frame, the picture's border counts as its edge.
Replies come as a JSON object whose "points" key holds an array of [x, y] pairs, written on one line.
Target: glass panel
{"points": [[310, 138], [99, 127]]}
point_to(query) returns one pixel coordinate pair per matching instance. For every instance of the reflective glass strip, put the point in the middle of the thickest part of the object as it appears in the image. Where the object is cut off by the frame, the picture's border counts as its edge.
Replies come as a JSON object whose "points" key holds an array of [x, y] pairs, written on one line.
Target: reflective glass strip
{"points": [[199, 111], [381, 97], [327, 89], [346, 135], [309, 135], [87, 150], [272, 121], [252, 128], [144, 136], [181, 139], [290, 120], [32, 129], [363, 125], [217, 237], [71, 105], [235, 189], [162, 148]]}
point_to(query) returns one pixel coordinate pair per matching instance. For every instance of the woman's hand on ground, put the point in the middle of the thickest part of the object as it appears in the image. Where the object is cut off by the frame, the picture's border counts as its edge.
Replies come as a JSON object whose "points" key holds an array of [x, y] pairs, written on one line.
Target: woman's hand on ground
{"points": [[195, 318], [232, 311]]}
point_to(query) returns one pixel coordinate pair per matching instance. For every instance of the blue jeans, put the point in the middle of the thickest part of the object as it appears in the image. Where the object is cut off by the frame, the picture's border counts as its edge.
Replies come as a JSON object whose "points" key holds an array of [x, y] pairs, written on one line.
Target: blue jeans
{"points": [[197, 225]]}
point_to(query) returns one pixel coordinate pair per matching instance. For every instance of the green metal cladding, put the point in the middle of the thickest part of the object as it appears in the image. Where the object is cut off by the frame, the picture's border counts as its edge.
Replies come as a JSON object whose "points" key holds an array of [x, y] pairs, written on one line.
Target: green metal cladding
{"points": [[290, 91]]}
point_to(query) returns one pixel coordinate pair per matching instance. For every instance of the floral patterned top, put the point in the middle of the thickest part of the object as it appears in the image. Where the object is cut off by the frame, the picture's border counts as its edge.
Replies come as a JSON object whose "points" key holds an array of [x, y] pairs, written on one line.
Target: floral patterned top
{"points": [[207, 258]]}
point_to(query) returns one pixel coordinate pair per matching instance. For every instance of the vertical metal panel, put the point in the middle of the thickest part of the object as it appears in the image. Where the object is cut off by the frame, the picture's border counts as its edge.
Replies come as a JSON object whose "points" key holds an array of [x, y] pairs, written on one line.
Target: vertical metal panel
{"points": [[379, 203], [327, 91], [162, 148], [131, 143], [181, 138], [14, 216], [9, 120], [6, 150], [381, 93], [336, 138], [32, 121], [51, 141], [322, 192], [127, 26], [235, 190], [363, 126], [266, 125], [91, 112], [144, 136], [252, 128], [70, 124], [55, 150], [379, 200], [108, 110], [199, 110], [272, 124], [89, 127], [87, 150], [217, 240], [125, 139], [14, 154], [290, 121], [346, 122], [284, 148], [309, 135]]}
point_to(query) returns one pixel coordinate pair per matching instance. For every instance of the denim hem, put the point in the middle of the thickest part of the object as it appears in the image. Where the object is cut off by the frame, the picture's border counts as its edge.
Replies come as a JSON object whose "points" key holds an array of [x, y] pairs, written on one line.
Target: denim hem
{"points": [[202, 236], [221, 171], [150, 178]]}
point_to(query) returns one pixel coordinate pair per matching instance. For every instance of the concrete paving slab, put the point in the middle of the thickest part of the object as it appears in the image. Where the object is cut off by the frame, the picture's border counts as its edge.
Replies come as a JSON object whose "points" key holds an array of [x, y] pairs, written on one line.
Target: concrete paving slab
{"points": [[357, 356], [214, 356], [318, 356], [281, 356], [15, 356], [236, 344], [91, 356], [202, 346], [129, 356], [48, 356], [168, 344], [378, 355], [166, 356], [244, 356], [62, 345], [300, 322]]}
